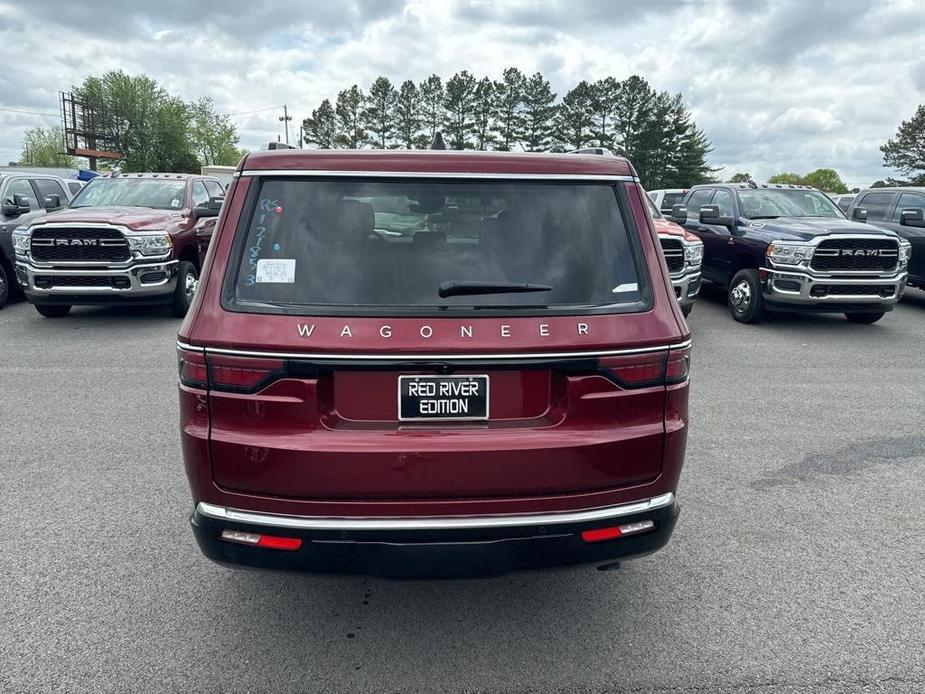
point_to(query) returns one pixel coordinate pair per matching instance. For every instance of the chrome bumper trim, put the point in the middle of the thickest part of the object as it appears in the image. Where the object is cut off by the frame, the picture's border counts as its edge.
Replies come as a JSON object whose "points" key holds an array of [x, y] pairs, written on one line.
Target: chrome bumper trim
{"points": [[133, 273], [431, 522], [808, 280], [683, 282]]}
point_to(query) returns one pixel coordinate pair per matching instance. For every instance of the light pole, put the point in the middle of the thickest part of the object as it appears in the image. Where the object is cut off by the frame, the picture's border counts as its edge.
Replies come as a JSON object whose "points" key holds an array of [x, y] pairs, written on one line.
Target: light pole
{"points": [[285, 118]]}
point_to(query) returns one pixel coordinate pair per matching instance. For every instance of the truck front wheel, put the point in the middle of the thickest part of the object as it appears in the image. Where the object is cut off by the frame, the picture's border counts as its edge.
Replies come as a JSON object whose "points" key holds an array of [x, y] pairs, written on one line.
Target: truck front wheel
{"points": [[4, 285], [53, 310], [865, 318], [183, 293], [746, 304]]}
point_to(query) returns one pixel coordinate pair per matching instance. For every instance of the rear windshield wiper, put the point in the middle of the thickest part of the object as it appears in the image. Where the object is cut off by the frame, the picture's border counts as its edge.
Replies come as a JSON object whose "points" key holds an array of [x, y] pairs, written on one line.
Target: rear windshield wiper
{"points": [[466, 288]]}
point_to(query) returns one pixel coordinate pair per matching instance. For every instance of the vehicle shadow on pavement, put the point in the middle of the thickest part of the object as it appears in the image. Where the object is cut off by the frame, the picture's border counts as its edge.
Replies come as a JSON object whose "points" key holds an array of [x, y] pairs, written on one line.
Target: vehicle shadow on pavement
{"points": [[437, 628]]}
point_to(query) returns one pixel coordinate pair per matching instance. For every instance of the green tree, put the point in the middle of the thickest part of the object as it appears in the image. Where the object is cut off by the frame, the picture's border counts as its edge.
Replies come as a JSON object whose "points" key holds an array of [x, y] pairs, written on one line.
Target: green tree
{"points": [[604, 95], [379, 114], [408, 116], [539, 112], [509, 104], [350, 130], [827, 180], [151, 126], [740, 178], [44, 147], [320, 128], [632, 113], [484, 114], [459, 106], [787, 177], [432, 112], [906, 151], [214, 137], [574, 118]]}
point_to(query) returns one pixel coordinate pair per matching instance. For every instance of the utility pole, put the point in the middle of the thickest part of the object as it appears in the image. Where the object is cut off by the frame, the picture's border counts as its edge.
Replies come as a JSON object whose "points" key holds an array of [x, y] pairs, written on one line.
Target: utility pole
{"points": [[301, 134], [285, 118]]}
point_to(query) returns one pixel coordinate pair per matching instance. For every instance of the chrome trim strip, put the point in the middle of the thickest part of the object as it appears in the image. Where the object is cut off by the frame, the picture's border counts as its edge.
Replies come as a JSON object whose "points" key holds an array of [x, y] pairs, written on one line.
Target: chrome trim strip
{"points": [[434, 174], [431, 522], [347, 356]]}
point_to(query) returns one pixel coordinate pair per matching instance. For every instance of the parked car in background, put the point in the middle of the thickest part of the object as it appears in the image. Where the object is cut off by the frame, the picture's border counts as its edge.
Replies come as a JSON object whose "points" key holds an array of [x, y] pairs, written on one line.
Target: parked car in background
{"points": [[73, 185], [433, 363], [23, 197], [781, 247], [900, 210], [665, 200], [683, 253], [126, 239], [843, 200]]}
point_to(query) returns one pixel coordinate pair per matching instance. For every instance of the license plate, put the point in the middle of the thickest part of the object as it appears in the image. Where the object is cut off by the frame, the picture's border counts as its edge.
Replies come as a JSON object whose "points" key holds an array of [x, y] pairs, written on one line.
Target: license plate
{"points": [[445, 398]]}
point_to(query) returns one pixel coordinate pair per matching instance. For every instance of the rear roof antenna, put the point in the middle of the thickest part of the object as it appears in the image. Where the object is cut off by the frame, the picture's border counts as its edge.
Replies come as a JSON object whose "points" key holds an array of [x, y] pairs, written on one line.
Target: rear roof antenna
{"points": [[438, 142]]}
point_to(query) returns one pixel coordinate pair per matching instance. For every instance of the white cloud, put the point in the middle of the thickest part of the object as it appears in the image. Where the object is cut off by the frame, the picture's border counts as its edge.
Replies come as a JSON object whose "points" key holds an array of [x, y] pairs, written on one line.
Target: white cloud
{"points": [[789, 85]]}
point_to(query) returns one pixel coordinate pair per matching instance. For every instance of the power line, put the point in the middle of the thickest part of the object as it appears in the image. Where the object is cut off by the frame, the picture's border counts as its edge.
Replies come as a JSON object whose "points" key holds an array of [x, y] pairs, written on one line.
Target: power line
{"points": [[259, 110], [35, 113]]}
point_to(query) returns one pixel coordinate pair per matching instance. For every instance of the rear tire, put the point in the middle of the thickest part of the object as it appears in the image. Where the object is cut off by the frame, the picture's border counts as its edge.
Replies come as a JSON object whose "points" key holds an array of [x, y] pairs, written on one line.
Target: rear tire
{"points": [[865, 318], [185, 291], [53, 310], [746, 303], [5, 287]]}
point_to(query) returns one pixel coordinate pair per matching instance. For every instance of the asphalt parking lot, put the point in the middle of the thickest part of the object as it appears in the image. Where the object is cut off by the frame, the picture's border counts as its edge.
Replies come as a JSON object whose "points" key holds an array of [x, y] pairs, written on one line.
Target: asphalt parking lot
{"points": [[798, 563]]}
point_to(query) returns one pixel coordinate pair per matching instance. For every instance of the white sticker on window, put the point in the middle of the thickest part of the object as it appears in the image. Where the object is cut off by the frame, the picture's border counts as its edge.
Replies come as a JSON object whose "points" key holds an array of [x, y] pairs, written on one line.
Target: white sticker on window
{"points": [[276, 270], [174, 203], [628, 287]]}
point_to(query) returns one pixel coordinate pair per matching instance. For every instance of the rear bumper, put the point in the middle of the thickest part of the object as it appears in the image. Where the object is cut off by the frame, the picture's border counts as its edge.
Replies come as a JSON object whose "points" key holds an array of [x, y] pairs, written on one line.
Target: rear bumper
{"points": [[429, 547]]}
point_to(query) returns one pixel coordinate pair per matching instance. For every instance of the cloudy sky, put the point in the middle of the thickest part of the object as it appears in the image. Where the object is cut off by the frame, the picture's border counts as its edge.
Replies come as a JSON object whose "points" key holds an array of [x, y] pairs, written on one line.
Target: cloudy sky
{"points": [[783, 85]]}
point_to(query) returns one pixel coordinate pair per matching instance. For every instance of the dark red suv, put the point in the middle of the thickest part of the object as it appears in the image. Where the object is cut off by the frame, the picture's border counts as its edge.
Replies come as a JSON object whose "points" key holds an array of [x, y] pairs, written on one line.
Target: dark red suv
{"points": [[433, 363]]}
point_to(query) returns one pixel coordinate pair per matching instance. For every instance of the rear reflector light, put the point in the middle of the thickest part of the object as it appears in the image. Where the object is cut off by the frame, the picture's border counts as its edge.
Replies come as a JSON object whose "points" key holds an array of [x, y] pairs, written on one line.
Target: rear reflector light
{"points": [[652, 369], [268, 541], [235, 374], [603, 534]]}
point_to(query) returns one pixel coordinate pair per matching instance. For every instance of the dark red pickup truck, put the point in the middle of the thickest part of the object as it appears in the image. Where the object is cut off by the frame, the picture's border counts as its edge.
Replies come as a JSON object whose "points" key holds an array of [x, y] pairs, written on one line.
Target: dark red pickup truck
{"points": [[433, 363], [125, 239]]}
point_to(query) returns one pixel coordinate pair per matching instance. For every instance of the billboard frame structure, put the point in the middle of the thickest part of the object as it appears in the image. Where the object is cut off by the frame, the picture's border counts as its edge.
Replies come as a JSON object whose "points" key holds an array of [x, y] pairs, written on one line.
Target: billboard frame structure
{"points": [[85, 133]]}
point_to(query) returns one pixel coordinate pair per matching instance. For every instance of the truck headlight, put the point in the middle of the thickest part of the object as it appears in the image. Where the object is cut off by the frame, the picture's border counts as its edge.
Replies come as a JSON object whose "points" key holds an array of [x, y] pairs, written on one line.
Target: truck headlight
{"points": [[150, 244], [693, 253], [905, 254], [789, 253], [21, 238]]}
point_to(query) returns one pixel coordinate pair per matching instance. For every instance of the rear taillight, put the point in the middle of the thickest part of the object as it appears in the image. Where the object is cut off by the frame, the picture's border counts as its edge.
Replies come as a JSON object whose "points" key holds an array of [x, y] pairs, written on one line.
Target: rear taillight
{"points": [[192, 367], [649, 369], [269, 541], [234, 374]]}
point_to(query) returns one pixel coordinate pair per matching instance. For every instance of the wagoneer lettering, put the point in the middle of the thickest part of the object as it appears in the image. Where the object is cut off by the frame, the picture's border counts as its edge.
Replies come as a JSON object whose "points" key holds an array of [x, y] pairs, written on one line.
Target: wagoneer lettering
{"points": [[449, 386]]}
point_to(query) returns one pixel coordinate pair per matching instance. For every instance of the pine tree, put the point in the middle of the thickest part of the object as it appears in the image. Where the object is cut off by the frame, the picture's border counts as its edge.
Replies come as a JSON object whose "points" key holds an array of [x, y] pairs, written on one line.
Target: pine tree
{"points": [[408, 116], [349, 112], [604, 95], [574, 118], [320, 128], [432, 111], [539, 110], [509, 107], [906, 151], [378, 116], [484, 114], [459, 105]]}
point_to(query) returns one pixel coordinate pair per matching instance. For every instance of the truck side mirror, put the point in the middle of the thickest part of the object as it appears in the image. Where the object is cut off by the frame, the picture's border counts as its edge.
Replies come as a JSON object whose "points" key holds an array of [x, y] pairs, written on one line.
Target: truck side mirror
{"points": [[709, 214], [859, 214], [678, 214], [15, 207], [52, 202], [912, 217]]}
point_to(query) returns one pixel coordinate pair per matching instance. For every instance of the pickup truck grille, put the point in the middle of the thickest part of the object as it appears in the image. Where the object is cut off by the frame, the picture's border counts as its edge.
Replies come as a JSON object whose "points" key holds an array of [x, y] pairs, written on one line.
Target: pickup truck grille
{"points": [[674, 254], [79, 245], [857, 255]]}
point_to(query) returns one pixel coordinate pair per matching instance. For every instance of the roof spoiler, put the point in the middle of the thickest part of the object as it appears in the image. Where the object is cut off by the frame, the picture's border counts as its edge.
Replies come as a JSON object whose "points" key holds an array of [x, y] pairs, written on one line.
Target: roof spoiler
{"points": [[600, 151]]}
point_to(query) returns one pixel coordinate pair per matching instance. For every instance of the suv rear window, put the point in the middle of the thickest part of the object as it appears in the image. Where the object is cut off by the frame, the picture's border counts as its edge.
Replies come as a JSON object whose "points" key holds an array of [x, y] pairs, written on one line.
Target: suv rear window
{"points": [[387, 246]]}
